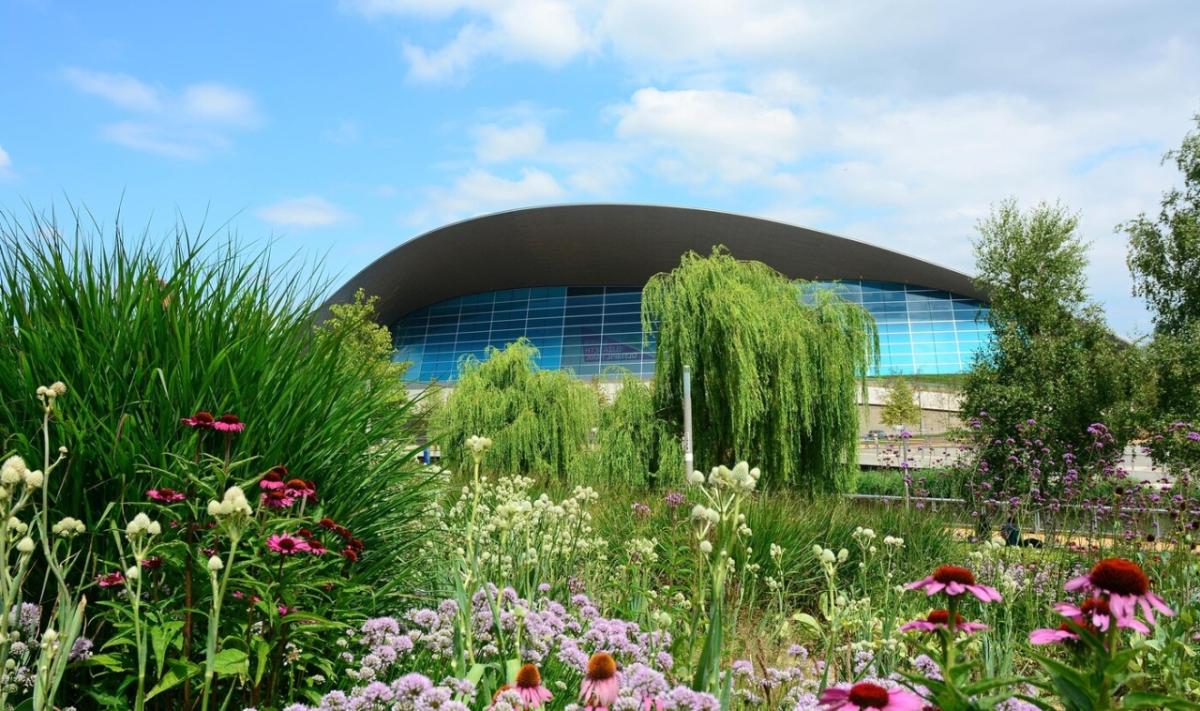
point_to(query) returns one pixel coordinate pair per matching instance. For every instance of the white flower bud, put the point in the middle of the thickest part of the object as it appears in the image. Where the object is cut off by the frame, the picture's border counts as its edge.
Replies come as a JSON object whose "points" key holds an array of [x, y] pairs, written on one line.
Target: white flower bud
{"points": [[215, 564], [50, 636], [827, 556], [132, 573], [34, 479], [705, 547], [154, 529], [214, 508], [843, 554], [25, 545], [58, 388], [695, 478]]}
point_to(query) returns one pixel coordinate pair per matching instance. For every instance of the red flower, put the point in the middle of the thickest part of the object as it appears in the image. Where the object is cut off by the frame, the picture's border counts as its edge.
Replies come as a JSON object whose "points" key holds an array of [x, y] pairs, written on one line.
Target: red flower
{"points": [[228, 422], [111, 580], [350, 554], [327, 523], [200, 421], [165, 495], [154, 562]]}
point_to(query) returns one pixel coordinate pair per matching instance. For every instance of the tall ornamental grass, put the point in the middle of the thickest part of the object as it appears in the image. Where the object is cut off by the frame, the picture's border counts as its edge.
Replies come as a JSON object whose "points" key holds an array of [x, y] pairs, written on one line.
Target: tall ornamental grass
{"points": [[146, 331]]}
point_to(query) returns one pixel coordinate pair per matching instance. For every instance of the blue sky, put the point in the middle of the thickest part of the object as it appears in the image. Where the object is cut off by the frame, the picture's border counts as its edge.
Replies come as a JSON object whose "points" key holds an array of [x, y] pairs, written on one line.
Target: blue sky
{"points": [[345, 128]]}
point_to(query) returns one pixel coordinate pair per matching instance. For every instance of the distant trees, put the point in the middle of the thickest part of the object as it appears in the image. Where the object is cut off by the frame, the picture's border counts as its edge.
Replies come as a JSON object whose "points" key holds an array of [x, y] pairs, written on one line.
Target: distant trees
{"points": [[1164, 259], [901, 407], [1053, 358]]}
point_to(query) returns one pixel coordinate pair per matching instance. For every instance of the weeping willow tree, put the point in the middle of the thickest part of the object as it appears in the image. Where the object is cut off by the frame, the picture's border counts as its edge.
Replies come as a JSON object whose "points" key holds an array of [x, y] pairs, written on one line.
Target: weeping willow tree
{"points": [[775, 364], [634, 445], [538, 420]]}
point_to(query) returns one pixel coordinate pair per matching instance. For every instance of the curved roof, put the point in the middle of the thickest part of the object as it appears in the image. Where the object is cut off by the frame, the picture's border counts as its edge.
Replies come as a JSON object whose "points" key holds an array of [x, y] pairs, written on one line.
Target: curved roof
{"points": [[615, 245]]}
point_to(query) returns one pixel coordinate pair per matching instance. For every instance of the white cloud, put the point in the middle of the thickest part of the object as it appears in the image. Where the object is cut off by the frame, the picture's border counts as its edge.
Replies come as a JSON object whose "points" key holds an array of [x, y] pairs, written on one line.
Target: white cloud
{"points": [[217, 103], [193, 124], [346, 132], [496, 144], [118, 89], [307, 211], [169, 141], [713, 135], [479, 191], [549, 32], [5, 164]]}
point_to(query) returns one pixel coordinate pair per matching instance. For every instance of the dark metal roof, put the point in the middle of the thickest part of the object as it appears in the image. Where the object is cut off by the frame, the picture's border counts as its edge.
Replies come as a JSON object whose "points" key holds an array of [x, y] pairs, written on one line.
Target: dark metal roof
{"points": [[615, 245]]}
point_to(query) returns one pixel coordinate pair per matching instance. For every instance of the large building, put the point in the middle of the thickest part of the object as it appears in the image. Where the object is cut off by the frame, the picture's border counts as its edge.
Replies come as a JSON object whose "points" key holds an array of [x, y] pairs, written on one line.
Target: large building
{"points": [[569, 279]]}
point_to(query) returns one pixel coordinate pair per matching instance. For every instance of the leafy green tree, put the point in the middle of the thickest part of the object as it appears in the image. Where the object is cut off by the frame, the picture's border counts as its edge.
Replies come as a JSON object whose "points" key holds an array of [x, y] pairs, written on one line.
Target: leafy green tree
{"points": [[1052, 358], [539, 420], [901, 407], [1164, 259], [1164, 253], [366, 345], [776, 365]]}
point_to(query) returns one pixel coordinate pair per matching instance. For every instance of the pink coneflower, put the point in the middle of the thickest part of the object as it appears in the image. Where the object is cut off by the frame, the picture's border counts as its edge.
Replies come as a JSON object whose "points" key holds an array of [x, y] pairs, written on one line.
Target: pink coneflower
{"points": [[300, 488], [1046, 635], [274, 478], [111, 580], [276, 499], [600, 685], [1127, 586], [200, 421], [939, 620], [530, 689], [228, 422], [165, 495], [286, 544], [283, 610], [865, 696], [954, 580]]}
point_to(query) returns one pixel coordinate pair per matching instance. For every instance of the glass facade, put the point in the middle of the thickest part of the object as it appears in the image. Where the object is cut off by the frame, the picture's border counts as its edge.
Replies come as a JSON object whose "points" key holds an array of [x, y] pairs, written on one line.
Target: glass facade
{"points": [[596, 330]]}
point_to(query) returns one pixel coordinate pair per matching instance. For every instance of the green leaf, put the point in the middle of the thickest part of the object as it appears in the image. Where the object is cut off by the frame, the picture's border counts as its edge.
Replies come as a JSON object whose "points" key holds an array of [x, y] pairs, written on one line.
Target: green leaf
{"points": [[512, 666], [161, 636], [232, 661], [177, 672], [1146, 700], [108, 661], [262, 651]]}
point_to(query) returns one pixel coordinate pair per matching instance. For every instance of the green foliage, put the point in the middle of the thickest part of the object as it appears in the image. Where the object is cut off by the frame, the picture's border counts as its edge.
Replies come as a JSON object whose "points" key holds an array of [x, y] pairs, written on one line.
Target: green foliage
{"points": [[1164, 259], [901, 407], [539, 420], [145, 335], [1053, 359], [775, 365], [1164, 254], [366, 345], [634, 445]]}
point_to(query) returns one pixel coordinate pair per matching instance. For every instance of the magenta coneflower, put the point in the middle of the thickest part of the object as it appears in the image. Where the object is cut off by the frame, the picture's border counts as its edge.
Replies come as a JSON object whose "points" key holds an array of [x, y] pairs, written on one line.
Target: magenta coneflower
{"points": [[154, 562], [276, 499], [530, 689], [201, 421], [228, 422], [165, 495], [600, 684], [865, 696], [1046, 635], [954, 580], [939, 620], [110, 580], [286, 544], [1127, 586], [301, 488], [274, 478]]}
